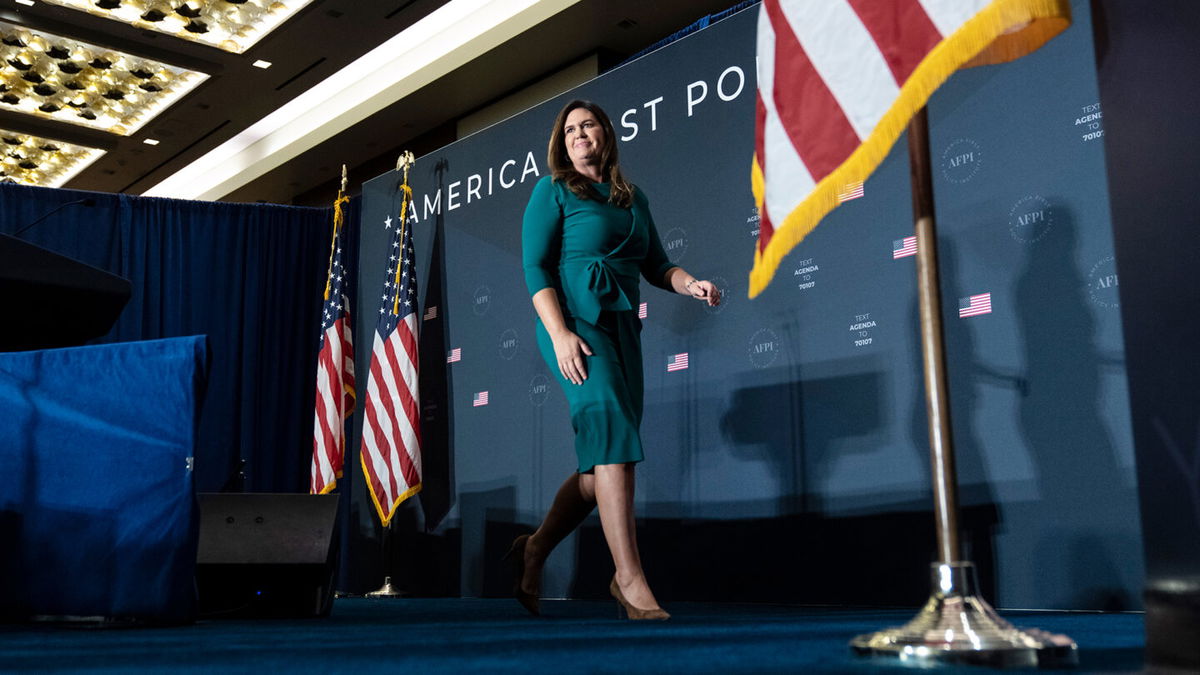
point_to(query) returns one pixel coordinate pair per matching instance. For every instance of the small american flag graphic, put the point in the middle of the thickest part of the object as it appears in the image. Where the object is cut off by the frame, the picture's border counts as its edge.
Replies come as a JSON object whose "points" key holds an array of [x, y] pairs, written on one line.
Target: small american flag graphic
{"points": [[642, 310], [480, 399], [454, 355], [431, 313], [902, 248], [851, 191], [975, 305], [677, 362]]}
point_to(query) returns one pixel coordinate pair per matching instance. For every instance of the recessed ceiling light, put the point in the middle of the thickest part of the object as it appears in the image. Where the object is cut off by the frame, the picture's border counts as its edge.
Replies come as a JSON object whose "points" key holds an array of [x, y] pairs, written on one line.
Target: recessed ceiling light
{"points": [[262, 64], [28, 3], [151, 141]]}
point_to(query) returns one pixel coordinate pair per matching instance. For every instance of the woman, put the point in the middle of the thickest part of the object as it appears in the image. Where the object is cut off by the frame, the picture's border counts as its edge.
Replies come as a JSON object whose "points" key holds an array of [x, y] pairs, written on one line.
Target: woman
{"points": [[587, 234]]}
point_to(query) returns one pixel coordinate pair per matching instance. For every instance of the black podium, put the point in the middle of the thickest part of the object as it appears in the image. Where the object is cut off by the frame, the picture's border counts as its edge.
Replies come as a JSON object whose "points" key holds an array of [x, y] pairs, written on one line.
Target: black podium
{"points": [[55, 301]]}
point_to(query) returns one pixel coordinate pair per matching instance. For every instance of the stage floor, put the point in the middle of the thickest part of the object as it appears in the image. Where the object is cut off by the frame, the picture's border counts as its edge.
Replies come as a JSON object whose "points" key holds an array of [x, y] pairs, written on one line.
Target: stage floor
{"points": [[495, 636]]}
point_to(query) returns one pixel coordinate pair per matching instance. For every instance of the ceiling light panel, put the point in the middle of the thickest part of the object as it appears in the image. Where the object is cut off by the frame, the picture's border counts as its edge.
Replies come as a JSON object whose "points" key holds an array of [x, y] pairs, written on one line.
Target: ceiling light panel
{"points": [[231, 25], [32, 160], [58, 78]]}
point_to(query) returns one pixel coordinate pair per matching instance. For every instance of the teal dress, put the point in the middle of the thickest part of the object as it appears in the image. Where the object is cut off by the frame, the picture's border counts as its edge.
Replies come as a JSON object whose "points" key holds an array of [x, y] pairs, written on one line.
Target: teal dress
{"points": [[592, 253]]}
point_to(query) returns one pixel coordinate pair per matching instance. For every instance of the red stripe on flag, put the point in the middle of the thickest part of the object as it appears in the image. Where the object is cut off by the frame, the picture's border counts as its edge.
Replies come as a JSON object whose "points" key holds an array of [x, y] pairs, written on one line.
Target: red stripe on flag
{"points": [[387, 444], [331, 376], [807, 109], [330, 369], [372, 423], [330, 445], [409, 343], [406, 402], [322, 444], [414, 413], [765, 230], [902, 31], [347, 366]]}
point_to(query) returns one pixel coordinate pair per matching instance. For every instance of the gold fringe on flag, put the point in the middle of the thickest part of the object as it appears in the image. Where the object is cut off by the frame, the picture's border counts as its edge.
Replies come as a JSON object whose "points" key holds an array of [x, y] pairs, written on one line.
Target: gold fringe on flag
{"points": [[1002, 31]]}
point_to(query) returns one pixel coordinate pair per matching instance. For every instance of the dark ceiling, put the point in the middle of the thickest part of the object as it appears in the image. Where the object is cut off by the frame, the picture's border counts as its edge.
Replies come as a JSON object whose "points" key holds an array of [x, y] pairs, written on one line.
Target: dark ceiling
{"points": [[317, 42]]}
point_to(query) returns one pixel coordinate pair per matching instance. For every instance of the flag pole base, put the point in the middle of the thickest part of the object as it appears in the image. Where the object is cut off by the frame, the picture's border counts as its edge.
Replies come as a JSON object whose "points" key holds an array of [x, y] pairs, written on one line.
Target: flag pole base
{"points": [[957, 626], [387, 590]]}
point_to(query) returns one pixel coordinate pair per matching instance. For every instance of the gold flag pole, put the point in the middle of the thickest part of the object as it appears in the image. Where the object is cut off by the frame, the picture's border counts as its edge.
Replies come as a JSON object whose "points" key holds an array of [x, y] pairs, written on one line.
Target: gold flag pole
{"points": [[403, 164], [956, 625], [338, 219]]}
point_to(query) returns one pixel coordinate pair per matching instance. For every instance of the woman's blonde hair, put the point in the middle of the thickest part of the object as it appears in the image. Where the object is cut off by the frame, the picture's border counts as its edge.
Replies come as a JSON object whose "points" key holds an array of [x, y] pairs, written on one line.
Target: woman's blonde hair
{"points": [[561, 168]]}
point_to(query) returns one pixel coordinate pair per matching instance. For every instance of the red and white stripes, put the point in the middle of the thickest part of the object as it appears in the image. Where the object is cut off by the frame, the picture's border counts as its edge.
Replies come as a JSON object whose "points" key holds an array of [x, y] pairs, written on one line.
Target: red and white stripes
{"points": [[334, 402], [391, 439], [840, 79]]}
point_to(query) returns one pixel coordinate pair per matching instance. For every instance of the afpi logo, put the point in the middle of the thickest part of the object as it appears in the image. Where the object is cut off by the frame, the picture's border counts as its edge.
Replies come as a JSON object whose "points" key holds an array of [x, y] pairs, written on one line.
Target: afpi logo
{"points": [[722, 285], [539, 390], [481, 300], [508, 344], [675, 243], [961, 160], [1103, 283], [764, 348], [1030, 219]]}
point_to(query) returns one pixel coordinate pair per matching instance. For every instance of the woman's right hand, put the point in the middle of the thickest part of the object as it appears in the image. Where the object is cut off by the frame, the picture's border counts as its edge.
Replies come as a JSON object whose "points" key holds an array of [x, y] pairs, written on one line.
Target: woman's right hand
{"points": [[570, 349]]}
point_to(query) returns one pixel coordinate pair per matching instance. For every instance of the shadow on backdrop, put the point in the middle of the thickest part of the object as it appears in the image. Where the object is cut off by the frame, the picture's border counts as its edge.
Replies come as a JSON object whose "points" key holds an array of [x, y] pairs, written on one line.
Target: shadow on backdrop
{"points": [[1088, 505]]}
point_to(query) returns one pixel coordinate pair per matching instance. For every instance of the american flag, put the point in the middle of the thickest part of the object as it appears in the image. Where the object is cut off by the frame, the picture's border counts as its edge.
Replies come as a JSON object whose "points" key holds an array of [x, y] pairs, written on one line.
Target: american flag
{"points": [[851, 191], [335, 369], [454, 355], [839, 81], [391, 436], [431, 313], [642, 311], [480, 399], [902, 248], [975, 305], [677, 362]]}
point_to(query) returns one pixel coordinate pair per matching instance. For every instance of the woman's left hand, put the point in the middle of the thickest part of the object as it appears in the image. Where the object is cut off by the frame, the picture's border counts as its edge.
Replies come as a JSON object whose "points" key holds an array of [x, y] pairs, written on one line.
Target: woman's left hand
{"points": [[705, 290]]}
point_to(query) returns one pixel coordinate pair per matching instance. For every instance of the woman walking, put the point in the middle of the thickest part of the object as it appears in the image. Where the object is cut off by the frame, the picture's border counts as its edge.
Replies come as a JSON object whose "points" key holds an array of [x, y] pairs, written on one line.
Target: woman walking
{"points": [[587, 235]]}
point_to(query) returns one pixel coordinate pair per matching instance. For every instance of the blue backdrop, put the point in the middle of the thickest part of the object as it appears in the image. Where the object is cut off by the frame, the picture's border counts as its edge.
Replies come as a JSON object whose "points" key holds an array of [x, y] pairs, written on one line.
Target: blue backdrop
{"points": [[791, 454]]}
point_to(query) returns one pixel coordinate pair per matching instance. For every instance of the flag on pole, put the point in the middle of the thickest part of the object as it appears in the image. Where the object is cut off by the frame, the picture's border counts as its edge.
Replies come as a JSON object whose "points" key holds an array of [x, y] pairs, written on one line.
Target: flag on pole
{"points": [[839, 80], [335, 368], [391, 436]]}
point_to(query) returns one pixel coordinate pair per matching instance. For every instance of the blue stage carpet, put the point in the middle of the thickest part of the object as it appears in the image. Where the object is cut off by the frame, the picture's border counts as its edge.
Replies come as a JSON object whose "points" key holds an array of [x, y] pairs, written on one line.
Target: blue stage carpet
{"points": [[495, 636]]}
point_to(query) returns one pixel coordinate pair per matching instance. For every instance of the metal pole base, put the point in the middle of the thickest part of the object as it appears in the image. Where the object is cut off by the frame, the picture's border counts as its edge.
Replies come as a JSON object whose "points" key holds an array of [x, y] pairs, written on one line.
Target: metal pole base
{"points": [[957, 626], [387, 590]]}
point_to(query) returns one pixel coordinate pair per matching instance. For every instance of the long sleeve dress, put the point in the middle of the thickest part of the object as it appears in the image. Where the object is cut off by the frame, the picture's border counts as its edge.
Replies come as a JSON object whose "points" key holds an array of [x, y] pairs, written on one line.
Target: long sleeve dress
{"points": [[591, 253]]}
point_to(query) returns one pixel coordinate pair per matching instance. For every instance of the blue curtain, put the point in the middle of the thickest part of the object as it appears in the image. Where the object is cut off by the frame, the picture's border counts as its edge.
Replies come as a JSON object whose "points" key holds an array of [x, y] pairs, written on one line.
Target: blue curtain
{"points": [[249, 276]]}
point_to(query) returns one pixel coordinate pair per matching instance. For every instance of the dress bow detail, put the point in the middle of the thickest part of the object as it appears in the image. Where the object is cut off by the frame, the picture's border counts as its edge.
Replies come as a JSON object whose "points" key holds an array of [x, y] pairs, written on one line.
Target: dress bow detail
{"points": [[604, 291]]}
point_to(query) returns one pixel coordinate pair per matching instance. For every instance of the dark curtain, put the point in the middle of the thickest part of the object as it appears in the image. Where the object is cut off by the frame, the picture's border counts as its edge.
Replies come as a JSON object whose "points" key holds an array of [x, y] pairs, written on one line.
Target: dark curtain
{"points": [[249, 276]]}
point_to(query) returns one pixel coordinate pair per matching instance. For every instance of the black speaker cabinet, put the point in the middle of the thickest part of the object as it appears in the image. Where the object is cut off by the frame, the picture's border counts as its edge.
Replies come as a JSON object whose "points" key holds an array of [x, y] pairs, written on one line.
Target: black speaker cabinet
{"points": [[266, 555]]}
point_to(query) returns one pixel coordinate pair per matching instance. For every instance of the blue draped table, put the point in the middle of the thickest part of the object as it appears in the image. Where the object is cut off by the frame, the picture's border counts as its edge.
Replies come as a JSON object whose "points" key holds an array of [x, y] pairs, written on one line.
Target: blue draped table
{"points": [[97, 505]]}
